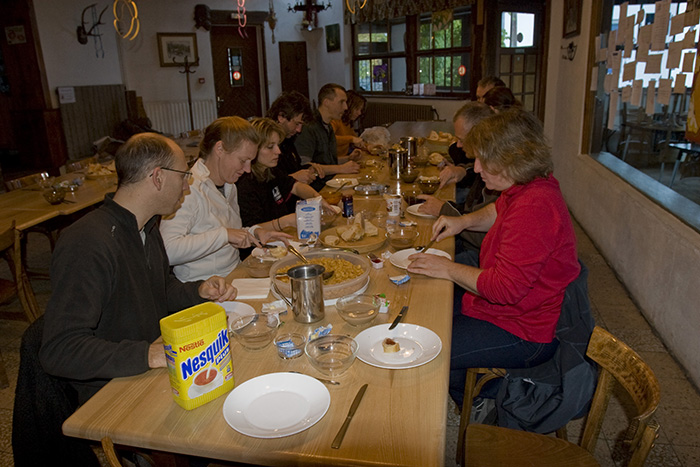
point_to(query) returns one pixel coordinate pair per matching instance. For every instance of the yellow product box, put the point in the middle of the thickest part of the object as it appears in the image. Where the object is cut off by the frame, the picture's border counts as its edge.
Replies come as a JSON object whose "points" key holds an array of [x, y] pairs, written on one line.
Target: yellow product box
{"points": [[197, 351]]}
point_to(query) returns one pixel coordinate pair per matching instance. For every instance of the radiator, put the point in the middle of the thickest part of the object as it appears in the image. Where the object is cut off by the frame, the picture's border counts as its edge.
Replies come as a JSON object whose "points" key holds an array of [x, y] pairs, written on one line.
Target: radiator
{"points": [[173, 117], [386, 113]]}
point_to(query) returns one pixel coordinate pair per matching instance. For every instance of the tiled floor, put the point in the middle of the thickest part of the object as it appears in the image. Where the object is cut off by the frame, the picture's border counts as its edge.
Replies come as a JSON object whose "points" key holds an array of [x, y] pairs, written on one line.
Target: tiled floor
{"points": [[678, 413]]}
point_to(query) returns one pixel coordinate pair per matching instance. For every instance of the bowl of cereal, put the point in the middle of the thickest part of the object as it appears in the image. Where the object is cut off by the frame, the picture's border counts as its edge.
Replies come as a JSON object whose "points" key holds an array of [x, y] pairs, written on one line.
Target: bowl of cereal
{"points": [[429, 185], [351, 272]]}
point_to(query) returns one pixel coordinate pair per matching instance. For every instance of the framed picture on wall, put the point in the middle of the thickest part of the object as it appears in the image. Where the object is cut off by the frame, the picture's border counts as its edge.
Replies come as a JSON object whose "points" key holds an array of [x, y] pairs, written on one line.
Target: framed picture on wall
{"points": [[572, 18], [333, 37], [174, 47]]}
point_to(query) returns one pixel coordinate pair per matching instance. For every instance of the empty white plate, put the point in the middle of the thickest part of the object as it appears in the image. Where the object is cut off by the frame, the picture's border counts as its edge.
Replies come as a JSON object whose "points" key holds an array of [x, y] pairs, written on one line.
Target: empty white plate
{"points": [[276, 405], [400, 258]]}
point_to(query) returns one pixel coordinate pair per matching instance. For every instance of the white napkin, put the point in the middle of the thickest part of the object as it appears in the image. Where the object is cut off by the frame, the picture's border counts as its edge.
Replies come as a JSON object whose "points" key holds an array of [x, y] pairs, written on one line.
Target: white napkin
{"points": [[252, 289]]}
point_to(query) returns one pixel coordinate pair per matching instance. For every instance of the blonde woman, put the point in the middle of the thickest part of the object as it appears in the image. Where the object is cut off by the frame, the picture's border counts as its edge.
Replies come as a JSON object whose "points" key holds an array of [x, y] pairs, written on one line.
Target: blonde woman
{"points": [[205, 234]]}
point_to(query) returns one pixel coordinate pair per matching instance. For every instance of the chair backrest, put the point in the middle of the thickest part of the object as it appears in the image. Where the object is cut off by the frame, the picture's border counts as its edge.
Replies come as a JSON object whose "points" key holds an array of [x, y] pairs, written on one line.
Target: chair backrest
{"points": [[618, 362], [21, 182], [110, 453], [11, 249], [81, 164]]}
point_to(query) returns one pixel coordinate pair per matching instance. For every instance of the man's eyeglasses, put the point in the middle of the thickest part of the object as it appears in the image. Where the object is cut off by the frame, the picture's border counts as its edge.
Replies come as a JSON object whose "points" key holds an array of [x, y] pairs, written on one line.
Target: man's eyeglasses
{"points": [[187, 175]]}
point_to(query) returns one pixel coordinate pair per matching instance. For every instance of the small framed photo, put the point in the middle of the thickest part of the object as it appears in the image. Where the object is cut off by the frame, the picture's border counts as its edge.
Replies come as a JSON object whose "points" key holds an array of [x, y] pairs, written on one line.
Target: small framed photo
{"points": [[174, 47], [572, 18], [333, 37]]}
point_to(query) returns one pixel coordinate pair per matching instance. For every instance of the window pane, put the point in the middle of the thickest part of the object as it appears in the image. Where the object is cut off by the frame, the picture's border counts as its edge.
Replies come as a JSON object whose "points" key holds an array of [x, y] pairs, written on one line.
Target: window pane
{"points": [[362, 43], [380, 75], [518, 63], [364, 75], [424, 37], [529, 83], [505, 63], [379, 38], [517, 29], [529, 102], [516, 84], [398, 74], [425, 70], [398, 30]]}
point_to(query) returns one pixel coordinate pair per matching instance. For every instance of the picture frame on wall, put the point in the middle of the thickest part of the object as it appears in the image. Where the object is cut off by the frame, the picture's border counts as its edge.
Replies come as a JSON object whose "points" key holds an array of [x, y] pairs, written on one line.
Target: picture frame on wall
{"points": [[174, 47], [333, 37], [572, 18]]}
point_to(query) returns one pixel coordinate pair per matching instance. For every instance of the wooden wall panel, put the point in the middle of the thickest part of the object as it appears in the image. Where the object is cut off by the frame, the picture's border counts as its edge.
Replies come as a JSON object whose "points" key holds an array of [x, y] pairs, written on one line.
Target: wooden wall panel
{"points": [[96, 112]]}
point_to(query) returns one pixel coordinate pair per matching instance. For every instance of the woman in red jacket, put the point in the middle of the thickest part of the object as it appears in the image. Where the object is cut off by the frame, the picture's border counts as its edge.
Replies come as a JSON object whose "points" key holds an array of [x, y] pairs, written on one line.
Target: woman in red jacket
{"points": [[514, 294]]}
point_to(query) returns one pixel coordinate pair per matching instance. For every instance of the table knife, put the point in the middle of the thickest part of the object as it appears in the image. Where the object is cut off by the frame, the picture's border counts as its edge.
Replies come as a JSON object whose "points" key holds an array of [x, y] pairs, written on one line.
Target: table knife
{"points": [[426, 247], [353, 408], [400, 316]]}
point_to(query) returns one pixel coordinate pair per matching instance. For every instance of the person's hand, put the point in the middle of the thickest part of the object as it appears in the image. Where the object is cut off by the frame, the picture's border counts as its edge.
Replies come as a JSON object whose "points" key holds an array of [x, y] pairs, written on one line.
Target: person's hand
{"points": [[241, 238], [350, 167], [318, 168], [328, 207], [355, 155], [217, 289], [451, 174], [358, 142], [304, 175], [446, 226], [429, 265], [432, 205], [156, 354], [267, 236]]}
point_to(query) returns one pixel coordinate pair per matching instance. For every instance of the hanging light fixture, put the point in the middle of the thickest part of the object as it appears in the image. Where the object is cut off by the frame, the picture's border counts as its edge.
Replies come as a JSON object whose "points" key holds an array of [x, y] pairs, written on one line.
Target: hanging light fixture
{"points": [[354, 5], [310, 9]]}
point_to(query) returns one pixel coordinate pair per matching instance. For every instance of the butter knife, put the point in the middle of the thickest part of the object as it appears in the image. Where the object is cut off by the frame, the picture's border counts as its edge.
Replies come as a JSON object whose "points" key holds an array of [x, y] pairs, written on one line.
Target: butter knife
{"points": [[426, 247], [353, 408], [400, 316]]}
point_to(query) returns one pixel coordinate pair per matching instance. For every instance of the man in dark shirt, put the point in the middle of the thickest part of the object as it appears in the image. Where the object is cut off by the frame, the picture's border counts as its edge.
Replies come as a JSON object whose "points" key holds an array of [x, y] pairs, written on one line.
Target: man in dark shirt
{"points": [[111, 278], [316, 142]]}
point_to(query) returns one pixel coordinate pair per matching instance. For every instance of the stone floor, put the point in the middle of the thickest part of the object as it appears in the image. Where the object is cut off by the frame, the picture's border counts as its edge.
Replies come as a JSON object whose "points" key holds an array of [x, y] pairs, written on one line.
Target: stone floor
{"points": [[678, 413]]}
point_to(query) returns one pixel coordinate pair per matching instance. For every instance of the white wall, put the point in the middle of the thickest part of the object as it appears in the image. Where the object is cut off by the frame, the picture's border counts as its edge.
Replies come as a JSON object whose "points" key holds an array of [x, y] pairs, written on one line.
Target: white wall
{"points": [[67, 62], [655, 254]]}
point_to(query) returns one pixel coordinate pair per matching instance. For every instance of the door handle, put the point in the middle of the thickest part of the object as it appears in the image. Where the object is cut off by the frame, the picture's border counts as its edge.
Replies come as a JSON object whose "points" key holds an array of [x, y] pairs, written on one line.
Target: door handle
{"points": [[219, 101]]}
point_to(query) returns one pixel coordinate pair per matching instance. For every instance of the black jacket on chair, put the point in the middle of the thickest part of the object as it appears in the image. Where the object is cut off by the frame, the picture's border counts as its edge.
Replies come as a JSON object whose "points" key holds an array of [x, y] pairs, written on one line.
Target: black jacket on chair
{"points": [[544, 398], [42, 404]]}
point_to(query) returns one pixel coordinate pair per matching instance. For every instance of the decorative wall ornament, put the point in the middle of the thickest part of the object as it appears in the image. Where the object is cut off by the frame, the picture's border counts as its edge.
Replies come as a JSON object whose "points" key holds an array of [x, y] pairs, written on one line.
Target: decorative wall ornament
{"points": [[126, 19], [272, 20], [82, 32], [242, 18]]}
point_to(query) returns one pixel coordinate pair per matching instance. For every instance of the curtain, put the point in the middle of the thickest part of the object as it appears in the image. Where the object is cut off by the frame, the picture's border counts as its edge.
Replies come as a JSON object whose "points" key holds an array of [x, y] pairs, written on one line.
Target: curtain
{"points": [[376, 10]]}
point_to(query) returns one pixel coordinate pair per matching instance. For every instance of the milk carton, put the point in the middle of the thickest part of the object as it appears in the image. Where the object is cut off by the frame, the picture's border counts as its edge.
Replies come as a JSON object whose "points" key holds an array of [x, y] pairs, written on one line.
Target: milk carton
{"points": [[309, 219], [198, 355]]}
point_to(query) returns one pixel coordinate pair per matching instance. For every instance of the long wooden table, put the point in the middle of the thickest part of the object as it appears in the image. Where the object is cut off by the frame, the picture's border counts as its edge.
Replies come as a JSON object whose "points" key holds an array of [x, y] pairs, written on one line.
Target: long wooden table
{"points": [[27, 206], [400, 422]]}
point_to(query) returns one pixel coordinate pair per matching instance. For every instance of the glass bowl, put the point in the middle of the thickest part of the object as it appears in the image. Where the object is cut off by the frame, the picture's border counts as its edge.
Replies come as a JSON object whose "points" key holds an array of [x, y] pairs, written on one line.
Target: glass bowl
{"points": [[290, 345], [54, 195], [44, 180], [429, 185], [257, 266], [332, 197], [409, 174], [331, 355], [328, 216], [330, 291], [357, 310], [402, 238], [254, 332], [410, 195]]}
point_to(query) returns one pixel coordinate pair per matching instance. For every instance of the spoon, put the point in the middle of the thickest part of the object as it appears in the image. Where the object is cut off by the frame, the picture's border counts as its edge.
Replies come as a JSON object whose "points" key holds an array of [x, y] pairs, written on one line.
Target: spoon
{"points": [[341, 186]]}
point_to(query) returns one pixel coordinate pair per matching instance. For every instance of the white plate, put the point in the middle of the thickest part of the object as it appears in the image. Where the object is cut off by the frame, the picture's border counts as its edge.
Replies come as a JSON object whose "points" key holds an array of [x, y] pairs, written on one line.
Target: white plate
{"points": [[276, 405], [413, 209], [330, 301], [265, 254], [418, 345], [400, 258], [337, 182], [236, 309]]}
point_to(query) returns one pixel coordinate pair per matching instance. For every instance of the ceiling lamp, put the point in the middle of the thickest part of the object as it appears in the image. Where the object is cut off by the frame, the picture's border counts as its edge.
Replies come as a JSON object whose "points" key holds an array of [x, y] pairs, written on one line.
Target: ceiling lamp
{"points": [[310, 9]]}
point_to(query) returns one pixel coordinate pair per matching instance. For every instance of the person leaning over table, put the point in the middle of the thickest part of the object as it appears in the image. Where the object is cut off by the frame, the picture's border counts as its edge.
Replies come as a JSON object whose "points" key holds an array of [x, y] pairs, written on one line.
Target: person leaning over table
{"points": [[291, 109], [345, 135], [316, 142], [514, 294], [265, 190], [501, 99], [110, 277], [476, 194], [203, 236], [487, 83]]}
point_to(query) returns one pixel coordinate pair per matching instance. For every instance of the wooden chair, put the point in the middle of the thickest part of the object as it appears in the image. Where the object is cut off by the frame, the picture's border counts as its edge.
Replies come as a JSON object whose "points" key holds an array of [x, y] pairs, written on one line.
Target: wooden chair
{"points": [[11, 249], [110, 453], [485, 445], [81, 164]]}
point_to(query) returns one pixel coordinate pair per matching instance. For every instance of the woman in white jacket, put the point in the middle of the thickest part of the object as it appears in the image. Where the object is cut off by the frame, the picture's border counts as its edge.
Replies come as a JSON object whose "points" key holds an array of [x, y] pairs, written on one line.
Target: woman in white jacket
{"points": [[202, 238]]}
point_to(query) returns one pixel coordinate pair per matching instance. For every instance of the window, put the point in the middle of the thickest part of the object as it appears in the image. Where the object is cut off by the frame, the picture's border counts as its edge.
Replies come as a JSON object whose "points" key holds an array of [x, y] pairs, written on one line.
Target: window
{"points": [[390, 56], [645, 66], [517, 29]]}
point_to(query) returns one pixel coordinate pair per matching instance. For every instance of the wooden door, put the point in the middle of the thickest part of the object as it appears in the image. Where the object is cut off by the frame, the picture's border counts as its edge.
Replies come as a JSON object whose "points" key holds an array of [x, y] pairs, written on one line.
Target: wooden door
{"points": [[520, 52], [294, 70], [238, 64]]}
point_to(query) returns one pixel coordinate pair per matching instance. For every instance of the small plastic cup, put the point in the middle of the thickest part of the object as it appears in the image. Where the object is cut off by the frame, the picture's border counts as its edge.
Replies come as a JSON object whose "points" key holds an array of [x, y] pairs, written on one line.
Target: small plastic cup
{"points": [[290, 345]]}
